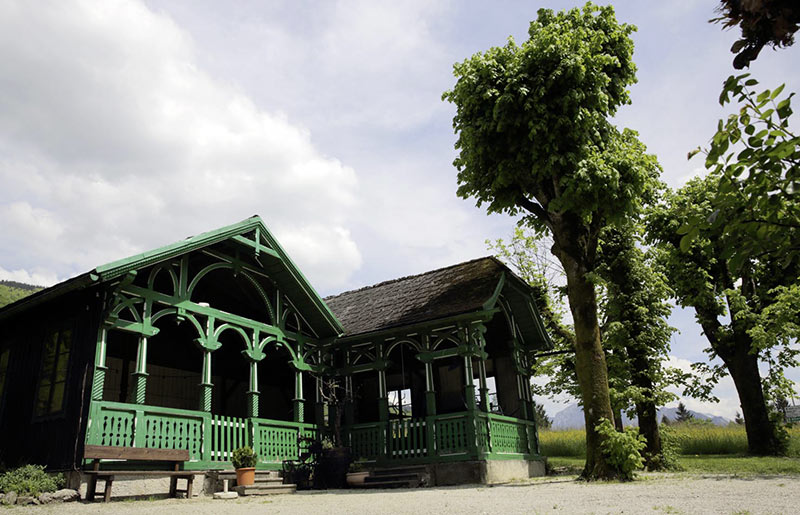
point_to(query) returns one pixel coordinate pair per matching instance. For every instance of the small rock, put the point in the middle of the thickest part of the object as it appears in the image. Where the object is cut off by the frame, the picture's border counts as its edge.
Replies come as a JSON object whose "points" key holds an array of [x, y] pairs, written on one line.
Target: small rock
{"points": [[46, 498], [66, 495], [24, 500], [225, 495], [10, 498]]}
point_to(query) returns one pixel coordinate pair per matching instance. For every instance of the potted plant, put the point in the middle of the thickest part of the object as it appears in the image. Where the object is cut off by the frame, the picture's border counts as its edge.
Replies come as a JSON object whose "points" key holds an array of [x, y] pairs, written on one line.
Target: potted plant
{"points": [[357, 474], [244, 461]]}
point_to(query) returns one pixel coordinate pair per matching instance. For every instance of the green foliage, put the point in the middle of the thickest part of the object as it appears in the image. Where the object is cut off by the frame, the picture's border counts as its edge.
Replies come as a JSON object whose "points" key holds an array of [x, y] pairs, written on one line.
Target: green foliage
{"points": [[532, 120], [30, 480], [748, 310], [683, 414], [756, 158], [563, 443], [244, 457], [622, 449], [764, 22], [670, 450], [541, 418], [688, 438], [11, 291]]}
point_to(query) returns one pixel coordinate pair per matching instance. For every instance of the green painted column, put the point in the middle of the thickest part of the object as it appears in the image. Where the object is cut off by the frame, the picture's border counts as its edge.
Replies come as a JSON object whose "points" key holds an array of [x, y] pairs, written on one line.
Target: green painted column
{"points": [[298, 400], [252, 390], [484, 388], [383, 414], [430, 410], [319, 406], [98, 380], [140, 375], [469, 393], [206, 386], [349, 415]]}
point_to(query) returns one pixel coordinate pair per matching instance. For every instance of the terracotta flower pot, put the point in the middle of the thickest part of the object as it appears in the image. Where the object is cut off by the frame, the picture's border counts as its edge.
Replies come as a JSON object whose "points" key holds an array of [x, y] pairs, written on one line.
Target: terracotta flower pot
{"points": [[245, 476], [357, 478]]}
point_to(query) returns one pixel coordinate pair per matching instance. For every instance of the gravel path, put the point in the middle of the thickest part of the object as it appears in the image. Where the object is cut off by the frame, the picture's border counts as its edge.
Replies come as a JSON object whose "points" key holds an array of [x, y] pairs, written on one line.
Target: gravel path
{"points": [[651, 494]]}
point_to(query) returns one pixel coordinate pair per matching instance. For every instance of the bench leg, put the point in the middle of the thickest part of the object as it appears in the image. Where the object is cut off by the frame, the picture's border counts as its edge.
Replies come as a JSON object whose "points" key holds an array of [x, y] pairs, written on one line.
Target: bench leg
{"points": [[189, 481], [173, 486], [107, 493], [91, 488]]}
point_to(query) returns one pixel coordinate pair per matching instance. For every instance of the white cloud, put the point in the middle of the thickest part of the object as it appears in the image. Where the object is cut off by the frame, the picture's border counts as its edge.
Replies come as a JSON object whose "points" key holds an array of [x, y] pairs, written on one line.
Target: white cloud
{"points": [[113, 140]]}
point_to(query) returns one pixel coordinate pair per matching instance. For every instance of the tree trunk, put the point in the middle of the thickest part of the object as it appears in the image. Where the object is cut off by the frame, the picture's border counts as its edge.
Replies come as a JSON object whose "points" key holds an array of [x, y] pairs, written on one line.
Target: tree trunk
{"points": [[762, 437], [646, 409], [590, 361]]}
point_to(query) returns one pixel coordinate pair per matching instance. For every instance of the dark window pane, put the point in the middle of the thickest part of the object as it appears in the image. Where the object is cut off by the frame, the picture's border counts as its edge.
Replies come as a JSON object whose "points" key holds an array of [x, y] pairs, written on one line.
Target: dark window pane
{"points": [[58, 398]]}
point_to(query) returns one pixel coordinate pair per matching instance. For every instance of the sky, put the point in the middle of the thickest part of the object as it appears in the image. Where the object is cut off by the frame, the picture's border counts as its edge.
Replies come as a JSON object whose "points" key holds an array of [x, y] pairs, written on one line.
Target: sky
{"points": [[128, 124]]}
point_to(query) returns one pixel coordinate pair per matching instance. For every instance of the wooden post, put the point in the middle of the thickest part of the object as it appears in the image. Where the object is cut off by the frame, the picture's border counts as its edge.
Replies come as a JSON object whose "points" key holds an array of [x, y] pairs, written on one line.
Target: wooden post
{"points": [[383, 415], [252, 390], [98, 381], [206, 385], [298, 400], [430, 410], [484, 388], [140, 375]]}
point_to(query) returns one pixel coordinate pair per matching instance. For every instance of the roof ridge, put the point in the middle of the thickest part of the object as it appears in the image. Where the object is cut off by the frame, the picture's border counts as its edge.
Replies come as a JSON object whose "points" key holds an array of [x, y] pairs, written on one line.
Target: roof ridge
{"points": [[412, 276]]}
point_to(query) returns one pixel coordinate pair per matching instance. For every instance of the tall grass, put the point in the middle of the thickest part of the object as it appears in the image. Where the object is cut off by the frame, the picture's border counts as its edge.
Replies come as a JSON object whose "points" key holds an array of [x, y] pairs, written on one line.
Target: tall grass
{"points": [[694, 439]]}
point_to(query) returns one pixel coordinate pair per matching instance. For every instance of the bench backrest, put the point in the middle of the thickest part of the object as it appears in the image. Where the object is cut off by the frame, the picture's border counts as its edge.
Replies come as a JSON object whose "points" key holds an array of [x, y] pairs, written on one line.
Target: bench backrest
{"points": [[103, 452]]}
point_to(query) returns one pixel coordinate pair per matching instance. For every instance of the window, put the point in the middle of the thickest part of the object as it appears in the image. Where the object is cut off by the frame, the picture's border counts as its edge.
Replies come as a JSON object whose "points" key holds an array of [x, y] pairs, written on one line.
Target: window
{"points": [[53, 375], [400, 403]]}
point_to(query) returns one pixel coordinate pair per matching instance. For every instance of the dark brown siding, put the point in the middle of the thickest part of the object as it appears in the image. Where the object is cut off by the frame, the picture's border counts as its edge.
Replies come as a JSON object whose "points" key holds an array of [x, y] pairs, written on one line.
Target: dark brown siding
{"points": [[48, 440]]}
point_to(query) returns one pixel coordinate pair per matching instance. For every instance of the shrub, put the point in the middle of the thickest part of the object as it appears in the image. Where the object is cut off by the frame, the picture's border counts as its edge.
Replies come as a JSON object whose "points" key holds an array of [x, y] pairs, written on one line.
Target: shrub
{"points": [[30, 480], [670, 449], [622, 450], [243, 457]]}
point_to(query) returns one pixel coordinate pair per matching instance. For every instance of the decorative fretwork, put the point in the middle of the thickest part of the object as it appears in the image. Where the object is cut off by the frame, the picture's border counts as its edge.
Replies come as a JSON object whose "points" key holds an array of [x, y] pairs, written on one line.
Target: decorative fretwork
{"points": [[451, 435]]}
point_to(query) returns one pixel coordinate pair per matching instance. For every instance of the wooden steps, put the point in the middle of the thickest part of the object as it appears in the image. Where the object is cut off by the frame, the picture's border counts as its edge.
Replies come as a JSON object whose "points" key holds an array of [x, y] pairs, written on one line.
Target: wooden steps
{"points": [[397, 477], [267, 482]]}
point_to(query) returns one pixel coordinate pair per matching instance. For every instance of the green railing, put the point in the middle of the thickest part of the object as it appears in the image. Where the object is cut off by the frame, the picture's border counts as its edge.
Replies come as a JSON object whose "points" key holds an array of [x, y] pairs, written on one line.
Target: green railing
{"points": [[132, 425], [276, 440], [364, 440], [508, 435], [495, 437], [227, 435], [407, 438], [210, 439], [451, 434]]}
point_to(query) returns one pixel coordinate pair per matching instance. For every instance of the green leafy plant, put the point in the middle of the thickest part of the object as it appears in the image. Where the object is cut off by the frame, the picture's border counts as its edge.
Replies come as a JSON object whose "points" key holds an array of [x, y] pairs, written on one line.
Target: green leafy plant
{"points": [[623, 451], [670, 450], [244, 457], [30, 480]]}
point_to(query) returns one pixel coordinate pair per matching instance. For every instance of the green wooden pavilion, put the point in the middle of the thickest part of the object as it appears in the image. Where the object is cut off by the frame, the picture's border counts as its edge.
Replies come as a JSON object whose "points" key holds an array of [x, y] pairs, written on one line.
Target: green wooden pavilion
{"points": [[219, 341]]}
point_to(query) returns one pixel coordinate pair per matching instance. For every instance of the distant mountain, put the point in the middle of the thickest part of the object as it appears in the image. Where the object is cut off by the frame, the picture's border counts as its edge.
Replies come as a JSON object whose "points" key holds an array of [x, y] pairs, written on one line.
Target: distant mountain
{"points": [[12, 291], [571, 417]]}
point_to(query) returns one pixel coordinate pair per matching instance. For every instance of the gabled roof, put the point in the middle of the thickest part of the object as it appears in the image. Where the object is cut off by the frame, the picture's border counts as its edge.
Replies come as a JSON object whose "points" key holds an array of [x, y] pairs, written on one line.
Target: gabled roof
{"points": [[471, 286], [285, 273]]}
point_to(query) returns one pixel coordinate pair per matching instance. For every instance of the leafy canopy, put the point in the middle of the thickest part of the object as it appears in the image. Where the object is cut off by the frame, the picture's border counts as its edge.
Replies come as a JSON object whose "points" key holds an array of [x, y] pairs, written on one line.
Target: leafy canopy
{"points": [[756, 158], [532, 121]]}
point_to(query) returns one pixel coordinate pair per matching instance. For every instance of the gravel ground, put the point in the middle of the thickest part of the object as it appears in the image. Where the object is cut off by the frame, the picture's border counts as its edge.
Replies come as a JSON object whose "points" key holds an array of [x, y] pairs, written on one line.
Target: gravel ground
{"points": [[651, 494]]}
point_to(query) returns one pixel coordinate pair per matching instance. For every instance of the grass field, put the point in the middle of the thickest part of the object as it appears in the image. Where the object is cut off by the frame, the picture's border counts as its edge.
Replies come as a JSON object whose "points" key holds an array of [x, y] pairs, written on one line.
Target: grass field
{"points": [[704, 449], [694, 439]]}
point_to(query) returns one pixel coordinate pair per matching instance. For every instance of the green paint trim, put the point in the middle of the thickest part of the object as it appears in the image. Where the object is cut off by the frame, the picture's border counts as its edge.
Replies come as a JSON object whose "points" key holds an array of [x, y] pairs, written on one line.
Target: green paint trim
{"points": [[489, 304]]}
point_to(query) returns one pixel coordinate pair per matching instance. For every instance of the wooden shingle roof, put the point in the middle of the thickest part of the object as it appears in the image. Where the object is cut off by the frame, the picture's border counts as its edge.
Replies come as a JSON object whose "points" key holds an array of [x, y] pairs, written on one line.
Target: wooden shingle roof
{"points": [[448, 291]]}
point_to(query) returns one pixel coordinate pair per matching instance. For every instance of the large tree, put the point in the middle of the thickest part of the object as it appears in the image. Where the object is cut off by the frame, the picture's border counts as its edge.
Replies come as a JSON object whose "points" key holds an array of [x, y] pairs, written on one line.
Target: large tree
{"points": [[744, 310], [763, 23], [534, 137], [635, 334]]}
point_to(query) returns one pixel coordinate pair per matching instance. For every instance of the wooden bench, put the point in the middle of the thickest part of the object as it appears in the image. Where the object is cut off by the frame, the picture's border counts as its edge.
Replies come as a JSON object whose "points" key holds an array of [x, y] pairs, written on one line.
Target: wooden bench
{"points": [[100, 452]]}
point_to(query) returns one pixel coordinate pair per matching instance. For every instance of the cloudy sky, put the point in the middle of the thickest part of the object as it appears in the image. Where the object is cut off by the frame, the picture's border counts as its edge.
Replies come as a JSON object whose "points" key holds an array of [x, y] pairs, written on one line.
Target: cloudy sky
{"points": [[126, 125]]}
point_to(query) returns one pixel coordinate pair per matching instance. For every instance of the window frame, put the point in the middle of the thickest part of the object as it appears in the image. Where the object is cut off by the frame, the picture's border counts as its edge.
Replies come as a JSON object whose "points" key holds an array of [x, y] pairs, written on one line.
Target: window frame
{"points": [[52, 380]]}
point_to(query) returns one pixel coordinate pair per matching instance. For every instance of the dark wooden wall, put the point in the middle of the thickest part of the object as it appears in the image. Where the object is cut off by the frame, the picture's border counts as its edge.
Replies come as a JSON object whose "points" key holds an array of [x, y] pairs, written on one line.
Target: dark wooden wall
{"points": [[51, 439]]}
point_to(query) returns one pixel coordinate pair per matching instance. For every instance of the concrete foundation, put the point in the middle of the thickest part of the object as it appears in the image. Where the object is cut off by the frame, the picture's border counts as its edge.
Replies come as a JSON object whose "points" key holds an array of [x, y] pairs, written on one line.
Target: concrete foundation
{"points": [[485, 471]]}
